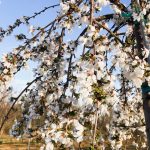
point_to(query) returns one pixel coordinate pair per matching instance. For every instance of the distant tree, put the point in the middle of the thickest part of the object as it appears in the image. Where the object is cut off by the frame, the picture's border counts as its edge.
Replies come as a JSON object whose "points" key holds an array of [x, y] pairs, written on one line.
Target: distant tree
{"points": [[87, 90]]}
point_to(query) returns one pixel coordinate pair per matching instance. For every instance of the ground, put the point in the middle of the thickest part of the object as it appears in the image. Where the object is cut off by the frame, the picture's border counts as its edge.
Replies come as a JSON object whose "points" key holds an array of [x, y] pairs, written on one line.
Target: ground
{"points": [[8, 143]]}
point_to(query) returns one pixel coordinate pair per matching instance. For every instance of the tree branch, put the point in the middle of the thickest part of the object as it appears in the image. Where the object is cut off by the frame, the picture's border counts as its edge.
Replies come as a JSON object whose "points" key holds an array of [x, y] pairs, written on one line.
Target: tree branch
{"points": [[104, 17], [16, 99], [112, 33], [91, 11]]}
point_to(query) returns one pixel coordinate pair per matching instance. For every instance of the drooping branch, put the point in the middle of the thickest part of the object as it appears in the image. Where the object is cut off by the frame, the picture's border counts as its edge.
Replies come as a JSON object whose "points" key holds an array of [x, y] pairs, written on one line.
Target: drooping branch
{"points": [[16, 99]]}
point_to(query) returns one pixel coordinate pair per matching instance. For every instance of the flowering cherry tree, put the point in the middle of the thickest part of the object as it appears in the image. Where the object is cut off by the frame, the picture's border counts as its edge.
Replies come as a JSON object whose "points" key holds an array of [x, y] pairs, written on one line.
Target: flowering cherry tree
{"points": [[87, 90]]}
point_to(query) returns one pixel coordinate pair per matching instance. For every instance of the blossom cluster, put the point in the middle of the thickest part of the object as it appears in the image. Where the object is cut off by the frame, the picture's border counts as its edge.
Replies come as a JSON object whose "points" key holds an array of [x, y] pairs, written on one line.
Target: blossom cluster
{"points": [[92, 100]]}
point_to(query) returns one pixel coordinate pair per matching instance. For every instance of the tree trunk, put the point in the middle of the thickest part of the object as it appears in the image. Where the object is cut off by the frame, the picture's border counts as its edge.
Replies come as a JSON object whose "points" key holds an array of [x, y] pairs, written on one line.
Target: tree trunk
{"points": [[141, 44], [146, 108]]}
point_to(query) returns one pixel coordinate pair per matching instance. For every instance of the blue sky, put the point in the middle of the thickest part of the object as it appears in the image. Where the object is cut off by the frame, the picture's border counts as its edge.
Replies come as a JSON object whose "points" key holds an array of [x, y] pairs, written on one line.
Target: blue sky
{"points": [[10, 10]]}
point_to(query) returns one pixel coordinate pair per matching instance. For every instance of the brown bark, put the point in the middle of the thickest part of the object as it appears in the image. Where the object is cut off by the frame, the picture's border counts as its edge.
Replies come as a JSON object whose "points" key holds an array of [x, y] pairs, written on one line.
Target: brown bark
{"points": [[140, 45]]}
